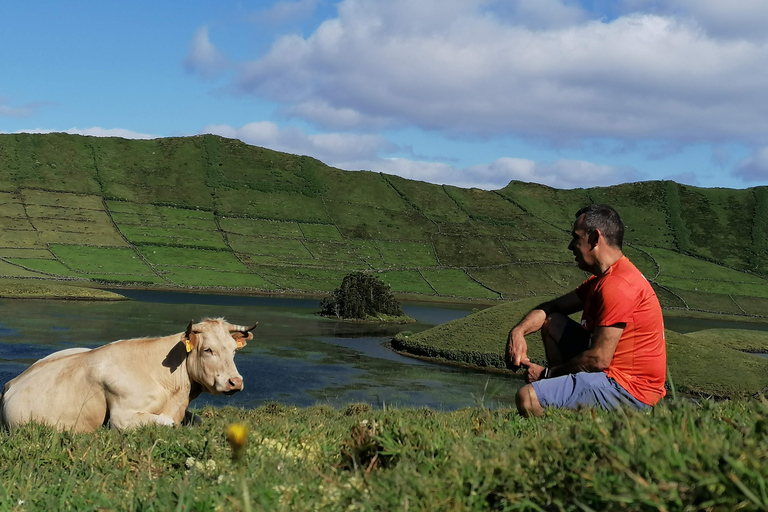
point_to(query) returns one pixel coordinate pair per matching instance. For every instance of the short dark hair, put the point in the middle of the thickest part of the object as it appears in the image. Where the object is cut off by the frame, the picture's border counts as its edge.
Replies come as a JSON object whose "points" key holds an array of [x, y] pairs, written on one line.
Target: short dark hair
{"points": [[606, 219]]}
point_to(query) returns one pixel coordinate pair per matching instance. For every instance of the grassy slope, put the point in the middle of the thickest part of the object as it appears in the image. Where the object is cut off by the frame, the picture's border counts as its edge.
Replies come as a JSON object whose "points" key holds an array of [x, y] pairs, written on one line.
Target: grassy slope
{"points": [[710, 362], [211, 212], [683, 456]]}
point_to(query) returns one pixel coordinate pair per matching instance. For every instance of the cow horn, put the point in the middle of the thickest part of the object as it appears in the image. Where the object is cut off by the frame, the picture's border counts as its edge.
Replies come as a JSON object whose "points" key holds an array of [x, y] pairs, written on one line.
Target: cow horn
{"points": [[241, 328], [189, 329]]}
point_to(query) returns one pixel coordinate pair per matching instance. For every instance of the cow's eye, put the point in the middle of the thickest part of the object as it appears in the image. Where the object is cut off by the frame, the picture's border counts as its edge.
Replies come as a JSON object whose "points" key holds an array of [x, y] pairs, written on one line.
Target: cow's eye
{"points": [[208, 351]]}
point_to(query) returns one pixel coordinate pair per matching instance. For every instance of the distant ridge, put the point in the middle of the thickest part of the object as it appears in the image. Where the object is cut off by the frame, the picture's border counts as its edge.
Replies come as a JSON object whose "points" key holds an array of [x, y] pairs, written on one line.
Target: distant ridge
{"points": [[211, 212]]}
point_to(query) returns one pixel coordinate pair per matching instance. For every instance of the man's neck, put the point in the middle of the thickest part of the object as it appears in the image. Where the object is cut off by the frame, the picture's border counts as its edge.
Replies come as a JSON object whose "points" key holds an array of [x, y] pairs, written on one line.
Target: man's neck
{"points": [[606, 260]]}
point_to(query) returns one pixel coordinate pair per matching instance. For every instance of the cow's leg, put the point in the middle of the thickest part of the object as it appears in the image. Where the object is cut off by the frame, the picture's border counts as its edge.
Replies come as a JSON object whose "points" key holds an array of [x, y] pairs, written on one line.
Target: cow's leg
{"points": [[128, 419]]}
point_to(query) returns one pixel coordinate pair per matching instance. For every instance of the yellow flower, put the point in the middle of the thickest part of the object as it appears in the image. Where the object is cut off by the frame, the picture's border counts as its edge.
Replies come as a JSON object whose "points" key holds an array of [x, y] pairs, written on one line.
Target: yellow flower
{"points": [[237, 436]]}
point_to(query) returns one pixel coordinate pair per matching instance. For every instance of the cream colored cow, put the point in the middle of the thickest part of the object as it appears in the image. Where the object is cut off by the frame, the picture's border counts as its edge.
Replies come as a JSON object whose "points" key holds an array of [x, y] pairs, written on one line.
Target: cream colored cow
{"points": [[129, 382]]}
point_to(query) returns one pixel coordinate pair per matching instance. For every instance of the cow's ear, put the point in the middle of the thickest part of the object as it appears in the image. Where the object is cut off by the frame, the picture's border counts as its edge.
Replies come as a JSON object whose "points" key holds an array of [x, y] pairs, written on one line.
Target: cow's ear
{"points": [[190, 338], [241, 338]]}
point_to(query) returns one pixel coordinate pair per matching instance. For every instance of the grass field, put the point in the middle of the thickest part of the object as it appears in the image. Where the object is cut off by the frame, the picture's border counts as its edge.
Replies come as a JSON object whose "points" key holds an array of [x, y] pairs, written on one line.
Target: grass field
{"points": [[683, 456], [216, 204]]}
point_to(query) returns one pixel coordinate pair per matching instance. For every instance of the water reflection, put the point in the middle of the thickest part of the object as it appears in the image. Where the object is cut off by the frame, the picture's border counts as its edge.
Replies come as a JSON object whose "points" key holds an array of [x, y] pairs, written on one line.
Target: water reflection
{"points": [[297, 357]]}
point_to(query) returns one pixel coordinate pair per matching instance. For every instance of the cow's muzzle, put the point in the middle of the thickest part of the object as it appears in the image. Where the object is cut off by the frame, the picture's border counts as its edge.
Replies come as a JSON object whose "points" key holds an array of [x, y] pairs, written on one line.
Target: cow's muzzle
{"points": [[233, 385]]}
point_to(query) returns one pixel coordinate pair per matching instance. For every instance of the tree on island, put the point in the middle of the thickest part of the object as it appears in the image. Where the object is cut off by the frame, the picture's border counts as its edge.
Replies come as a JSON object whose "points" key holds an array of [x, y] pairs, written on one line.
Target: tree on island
{"points": [[361, 296]]}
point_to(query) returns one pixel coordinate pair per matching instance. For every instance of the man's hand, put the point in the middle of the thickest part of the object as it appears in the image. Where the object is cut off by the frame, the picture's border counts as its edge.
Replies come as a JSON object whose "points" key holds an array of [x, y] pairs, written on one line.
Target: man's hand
{"points": [[534, 371], [517, 350]]}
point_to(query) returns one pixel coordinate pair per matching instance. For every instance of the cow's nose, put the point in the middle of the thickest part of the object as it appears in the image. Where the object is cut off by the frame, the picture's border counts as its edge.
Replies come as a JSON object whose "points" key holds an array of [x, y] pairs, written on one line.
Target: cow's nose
{"points": [[235, 384]]}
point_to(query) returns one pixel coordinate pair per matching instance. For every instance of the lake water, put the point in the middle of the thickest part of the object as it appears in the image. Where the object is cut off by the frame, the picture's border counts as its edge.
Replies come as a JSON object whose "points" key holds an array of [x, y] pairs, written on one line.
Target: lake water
{"points": [[296, 357]]}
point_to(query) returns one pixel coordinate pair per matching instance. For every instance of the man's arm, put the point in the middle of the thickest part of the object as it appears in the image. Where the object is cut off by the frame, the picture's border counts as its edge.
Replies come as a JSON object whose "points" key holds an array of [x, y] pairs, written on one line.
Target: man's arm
{"points": [[595, 359], [517, 347]]}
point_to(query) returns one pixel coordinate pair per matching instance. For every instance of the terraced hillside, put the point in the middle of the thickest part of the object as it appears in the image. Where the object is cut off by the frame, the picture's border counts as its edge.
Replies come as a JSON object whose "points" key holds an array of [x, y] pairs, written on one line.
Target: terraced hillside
{"points": [[210, 212]]}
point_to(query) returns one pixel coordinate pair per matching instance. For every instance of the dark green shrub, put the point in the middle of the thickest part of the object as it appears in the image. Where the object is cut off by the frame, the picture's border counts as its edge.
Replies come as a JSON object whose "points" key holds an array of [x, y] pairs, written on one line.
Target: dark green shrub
{"points": [[361, 296]]}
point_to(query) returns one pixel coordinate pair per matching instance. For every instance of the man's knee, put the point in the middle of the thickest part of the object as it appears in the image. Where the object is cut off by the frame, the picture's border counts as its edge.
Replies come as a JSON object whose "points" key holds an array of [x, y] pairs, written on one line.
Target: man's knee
{"points": [[554, 326], [527, 402]]}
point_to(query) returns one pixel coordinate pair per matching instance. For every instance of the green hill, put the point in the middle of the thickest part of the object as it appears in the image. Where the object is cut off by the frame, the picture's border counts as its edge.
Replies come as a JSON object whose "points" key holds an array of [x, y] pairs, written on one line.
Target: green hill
{"points": [[209, 212]]}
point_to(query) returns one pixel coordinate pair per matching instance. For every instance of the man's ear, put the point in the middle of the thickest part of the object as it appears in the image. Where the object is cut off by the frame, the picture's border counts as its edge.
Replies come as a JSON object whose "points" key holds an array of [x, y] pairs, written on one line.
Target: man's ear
{"points": [[593, 238]]}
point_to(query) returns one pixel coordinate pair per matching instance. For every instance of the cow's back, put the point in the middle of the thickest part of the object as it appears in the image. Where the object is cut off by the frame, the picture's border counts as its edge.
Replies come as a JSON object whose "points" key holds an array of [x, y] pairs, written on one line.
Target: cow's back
{"points": [[58, 390]]}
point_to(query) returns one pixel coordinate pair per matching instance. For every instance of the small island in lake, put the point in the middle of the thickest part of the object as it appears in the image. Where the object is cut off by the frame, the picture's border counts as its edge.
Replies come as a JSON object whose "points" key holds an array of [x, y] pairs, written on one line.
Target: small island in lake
{"points": [[364, 297]]}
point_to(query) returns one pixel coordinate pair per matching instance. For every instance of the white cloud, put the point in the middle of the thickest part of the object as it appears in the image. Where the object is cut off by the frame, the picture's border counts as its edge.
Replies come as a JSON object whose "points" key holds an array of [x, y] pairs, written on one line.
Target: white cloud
{"points": [[755, 167], [330, 148], [356, 152], [564, 174], [203, 58], [740, 19], [538, 13], [449, 66]]}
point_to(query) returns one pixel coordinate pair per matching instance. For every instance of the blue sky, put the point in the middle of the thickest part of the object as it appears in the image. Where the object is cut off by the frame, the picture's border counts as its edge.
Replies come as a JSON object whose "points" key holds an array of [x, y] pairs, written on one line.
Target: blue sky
{"points": [[473, 93]]}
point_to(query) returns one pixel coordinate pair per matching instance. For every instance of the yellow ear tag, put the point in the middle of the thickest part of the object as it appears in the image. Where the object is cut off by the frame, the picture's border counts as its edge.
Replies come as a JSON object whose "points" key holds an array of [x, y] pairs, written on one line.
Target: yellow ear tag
{"points": [[188, 345]]}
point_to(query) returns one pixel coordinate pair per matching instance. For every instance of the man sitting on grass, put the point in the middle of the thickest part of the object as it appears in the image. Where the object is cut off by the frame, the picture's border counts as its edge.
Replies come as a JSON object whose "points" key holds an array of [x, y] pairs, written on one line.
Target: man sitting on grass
{"points": [[617, 356]]}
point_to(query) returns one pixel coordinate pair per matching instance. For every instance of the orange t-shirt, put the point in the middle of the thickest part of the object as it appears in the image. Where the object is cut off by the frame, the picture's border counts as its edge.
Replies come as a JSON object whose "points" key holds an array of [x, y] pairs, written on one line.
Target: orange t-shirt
{"points": [[624, 295]]}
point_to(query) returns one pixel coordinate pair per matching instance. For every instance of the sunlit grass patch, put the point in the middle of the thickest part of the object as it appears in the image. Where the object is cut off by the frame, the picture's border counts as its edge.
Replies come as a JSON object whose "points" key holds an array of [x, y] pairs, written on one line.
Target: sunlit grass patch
{"points": [[61, 199], [363, 188], [261, 227], [469, 251], [481, 204], [47, 266], [11, 206], [49, 289], [503, 279], [302, 278], [100, 236], [148, 235], [457, 283], [409, 281], [174, 256], [126, 278], [133, 220], [704, 301], [101, 260], [254, 260], [430, 199], [548, 279], [538, 251], [69, 214], [340, 253], [406, 254], [207, 277], [674, 264], [13, 252], [752, 305], [368, 251], [104, 229], [355, 221], [152, 214], [9, 269], [275, 205], [277, 247], [321, 232], [22, 238], [695, 286]]}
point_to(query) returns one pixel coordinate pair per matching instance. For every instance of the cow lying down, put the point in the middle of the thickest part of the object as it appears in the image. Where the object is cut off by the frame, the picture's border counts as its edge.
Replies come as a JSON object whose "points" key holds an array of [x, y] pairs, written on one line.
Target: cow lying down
{"points": [[129, 382]]}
